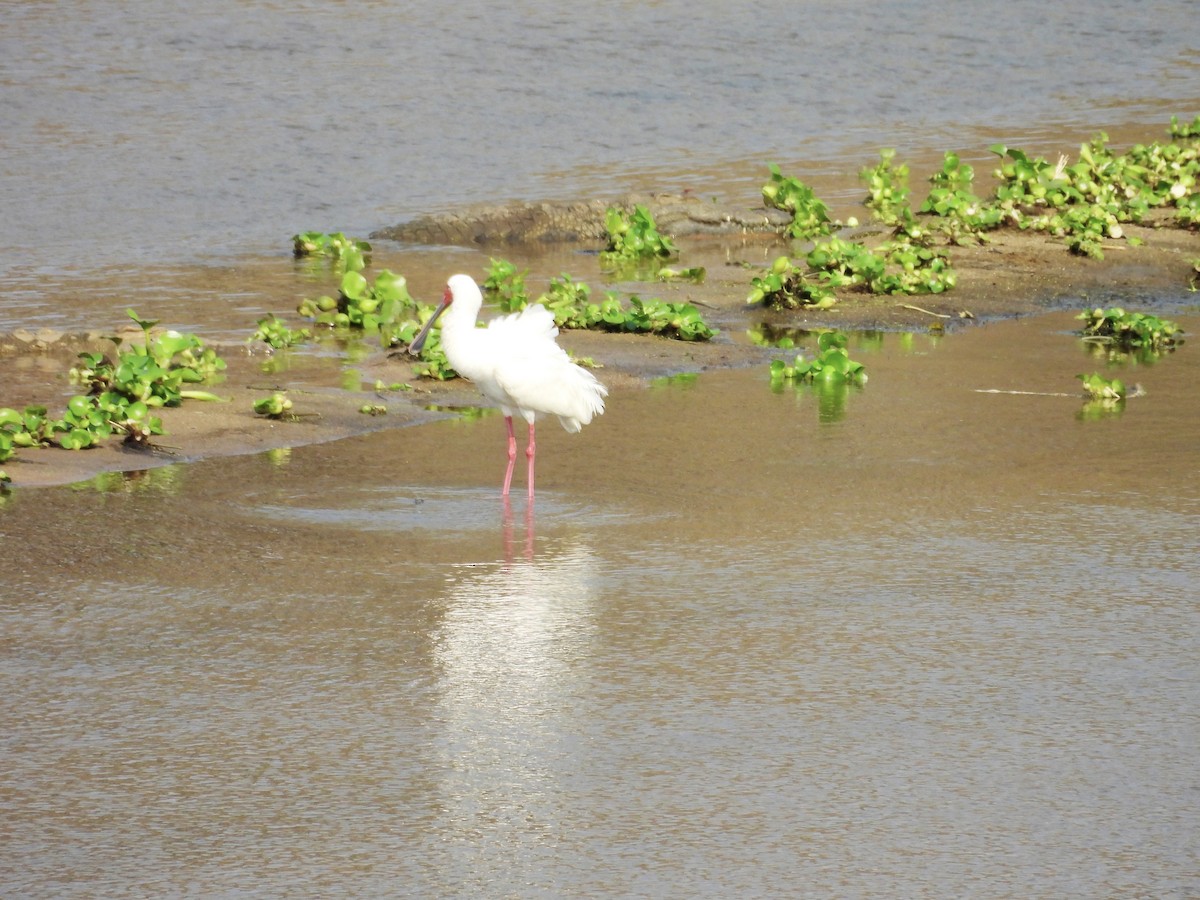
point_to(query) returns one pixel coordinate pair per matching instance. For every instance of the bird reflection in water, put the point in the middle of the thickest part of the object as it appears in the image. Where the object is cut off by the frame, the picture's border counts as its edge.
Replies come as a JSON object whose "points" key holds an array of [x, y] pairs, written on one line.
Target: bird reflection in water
{"points": [[510, 652], [507, 529]]}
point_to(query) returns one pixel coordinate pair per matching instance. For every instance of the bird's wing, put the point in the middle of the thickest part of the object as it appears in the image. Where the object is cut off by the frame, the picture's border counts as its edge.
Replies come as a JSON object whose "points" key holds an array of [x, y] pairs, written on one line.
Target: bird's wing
{"points": [[532, 322], [543, 380]]}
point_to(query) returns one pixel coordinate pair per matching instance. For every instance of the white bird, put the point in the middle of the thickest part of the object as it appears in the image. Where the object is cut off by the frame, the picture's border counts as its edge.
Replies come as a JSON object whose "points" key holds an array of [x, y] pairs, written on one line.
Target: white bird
{"points": [[516, 364]]}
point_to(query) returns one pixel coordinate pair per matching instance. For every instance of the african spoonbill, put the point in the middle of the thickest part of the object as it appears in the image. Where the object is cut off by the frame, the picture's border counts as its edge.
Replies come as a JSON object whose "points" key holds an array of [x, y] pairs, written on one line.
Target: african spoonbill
{"points": [[516, 363]]}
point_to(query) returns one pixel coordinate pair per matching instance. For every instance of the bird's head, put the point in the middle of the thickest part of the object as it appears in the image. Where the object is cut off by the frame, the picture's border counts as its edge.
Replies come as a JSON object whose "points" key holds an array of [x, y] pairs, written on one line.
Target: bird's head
{"points": [[460, 286]]}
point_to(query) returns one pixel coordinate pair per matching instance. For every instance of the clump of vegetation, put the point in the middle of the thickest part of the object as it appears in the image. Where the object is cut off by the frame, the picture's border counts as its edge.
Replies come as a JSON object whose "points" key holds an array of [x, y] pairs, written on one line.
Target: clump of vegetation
{"points": [[154, 372], [507, 285], [1086, 203], [840, 263], [787, 286], [681, 321], [569, 301], [810, 215], [118, 395], [831, 375], [362, 304], [914, 268], [900, 266], [1102, 396], [1129, 330], [22, 429], [634, 236], [962, 216], [571, 304], [695, 274], [887, 187], [347, 253], [277, 406], [1184, 130], [831, 364], [276, 334], [1096, 387]]}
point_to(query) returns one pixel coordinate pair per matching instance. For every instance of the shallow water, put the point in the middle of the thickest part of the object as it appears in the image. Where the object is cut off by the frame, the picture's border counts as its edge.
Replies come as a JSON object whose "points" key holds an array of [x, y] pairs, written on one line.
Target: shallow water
{"points": [[929, 642], [187, 131], [912, 641]]}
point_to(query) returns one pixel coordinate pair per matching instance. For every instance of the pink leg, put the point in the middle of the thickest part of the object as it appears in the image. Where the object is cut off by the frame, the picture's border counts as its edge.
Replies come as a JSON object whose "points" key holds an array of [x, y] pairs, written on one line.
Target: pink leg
{"points": [[512, 454], [530, 451]]}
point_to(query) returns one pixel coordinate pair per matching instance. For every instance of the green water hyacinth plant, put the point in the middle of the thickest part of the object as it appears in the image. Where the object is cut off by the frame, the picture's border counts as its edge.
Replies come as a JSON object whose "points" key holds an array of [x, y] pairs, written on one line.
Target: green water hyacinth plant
{"points": [[362, 304], [1088, 201], [569, 301], [276, 334], [897, 267], [962, 216], [787, 286], [276, 406], [839, 263], [831, 376], [681, 321], [432, 362], [914, 269], [86, 422], [810, 214], [506, 285], [695, 274], [346, 253], [634, 236], [119, 396], [154, 372], [571, 304], [831, 364], [1181, 130], [1129, 330], [20, 430], [887, 187]]}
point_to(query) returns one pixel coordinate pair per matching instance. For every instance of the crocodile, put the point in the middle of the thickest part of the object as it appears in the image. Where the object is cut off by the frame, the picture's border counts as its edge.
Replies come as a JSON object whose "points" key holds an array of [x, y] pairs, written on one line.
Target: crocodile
{"points": [[677, 215]]}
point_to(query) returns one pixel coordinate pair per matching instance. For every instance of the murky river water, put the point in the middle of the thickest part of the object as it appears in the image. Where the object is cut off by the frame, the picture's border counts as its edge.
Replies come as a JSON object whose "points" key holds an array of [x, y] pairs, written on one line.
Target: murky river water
{"points": [[932, 642], [913, 641], [190, 130]]}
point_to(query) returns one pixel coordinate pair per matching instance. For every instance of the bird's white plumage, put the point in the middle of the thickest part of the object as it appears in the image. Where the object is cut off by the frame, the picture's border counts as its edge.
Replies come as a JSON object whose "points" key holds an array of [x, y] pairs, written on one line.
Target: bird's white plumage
{"points": [[515, 361]]}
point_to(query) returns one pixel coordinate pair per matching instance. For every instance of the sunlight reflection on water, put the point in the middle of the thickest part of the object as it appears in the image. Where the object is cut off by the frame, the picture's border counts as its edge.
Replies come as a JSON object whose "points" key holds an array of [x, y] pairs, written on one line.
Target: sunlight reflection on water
{"points": [[892, 656]]}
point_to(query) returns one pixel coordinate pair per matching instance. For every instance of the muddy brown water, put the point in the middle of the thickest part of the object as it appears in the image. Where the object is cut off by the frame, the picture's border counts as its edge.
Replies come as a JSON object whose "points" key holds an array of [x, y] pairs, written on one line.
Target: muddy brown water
{"points": [[923, 641], [928, 642]]}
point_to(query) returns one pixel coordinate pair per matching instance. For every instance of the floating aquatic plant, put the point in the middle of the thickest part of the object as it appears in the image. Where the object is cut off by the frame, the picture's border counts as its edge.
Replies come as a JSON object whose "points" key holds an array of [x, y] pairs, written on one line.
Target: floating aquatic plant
{"points": [[695, 274], [276, 406], [897, 267], [810, 214], [276, 334], [634, 236], [788, 286], [1129, 330], [571, 304], [887, 187], [119, 395], [831, 364], [360, 303], [506, 285], [348, 253]]}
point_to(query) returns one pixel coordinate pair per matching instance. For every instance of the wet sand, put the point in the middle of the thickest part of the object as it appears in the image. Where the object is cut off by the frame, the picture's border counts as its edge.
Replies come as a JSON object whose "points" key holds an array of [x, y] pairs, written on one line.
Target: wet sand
{"points": [[1014, 274]]}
